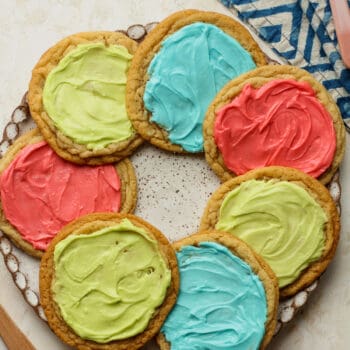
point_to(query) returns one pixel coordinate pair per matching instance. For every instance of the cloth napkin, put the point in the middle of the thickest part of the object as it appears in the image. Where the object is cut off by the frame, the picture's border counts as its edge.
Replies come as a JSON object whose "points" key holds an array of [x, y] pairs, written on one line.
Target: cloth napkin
{"points": [[302, 34]]}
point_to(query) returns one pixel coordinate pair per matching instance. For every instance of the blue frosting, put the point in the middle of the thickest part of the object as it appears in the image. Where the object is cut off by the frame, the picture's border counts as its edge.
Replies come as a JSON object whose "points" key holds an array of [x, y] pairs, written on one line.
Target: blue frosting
{"points": [[191, 67], [221, 303]]}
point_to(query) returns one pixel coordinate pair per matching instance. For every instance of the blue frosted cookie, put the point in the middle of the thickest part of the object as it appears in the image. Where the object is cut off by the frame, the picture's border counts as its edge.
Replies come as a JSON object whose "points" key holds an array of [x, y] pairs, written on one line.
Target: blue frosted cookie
{"points": [[228, 296], [177, 71]]}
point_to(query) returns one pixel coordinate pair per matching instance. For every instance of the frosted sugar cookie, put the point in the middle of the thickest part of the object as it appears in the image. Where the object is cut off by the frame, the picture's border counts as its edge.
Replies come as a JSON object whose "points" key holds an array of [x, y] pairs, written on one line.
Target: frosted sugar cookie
{"points": [[41, 192], [274, 115], [177, 71], [228, 296], [286, 216], [108, 281], [77, 97]]}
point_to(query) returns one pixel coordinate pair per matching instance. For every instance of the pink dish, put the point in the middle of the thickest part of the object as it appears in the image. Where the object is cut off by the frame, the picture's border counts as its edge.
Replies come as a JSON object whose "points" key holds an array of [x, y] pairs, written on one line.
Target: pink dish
{"points": [[341, 16]]}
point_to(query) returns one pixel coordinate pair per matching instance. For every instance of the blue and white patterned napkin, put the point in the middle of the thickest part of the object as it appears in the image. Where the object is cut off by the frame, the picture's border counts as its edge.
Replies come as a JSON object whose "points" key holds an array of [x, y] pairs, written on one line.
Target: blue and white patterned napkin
{"points": [[302, 33]]}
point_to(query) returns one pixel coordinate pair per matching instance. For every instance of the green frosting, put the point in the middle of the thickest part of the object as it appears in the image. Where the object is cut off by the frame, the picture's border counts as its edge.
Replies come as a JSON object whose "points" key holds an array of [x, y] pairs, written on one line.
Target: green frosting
{"points": [[280, 220], [108, 284], [84, 95]]}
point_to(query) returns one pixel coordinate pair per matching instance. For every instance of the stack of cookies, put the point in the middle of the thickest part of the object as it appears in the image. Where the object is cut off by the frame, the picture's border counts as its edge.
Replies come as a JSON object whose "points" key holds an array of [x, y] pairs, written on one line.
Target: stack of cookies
{"points": [[198, 83]]}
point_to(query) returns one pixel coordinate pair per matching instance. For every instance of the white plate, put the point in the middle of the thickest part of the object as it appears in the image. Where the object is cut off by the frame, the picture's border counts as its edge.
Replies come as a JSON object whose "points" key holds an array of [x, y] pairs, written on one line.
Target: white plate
{"points": [[172, 194]]}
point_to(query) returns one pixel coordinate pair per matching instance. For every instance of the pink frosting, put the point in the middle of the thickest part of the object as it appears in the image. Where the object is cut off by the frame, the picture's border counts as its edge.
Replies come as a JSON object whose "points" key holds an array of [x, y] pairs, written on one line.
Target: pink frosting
{"points": [[40, 192], [281, 123]]}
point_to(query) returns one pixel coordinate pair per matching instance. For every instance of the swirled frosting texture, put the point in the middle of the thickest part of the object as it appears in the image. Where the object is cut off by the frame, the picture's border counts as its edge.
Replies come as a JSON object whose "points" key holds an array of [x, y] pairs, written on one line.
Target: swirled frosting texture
{"points": [[192, 65], [221, 303], [84, 95], [40, 192], [281, 123], [279, 220], [109, 283]]}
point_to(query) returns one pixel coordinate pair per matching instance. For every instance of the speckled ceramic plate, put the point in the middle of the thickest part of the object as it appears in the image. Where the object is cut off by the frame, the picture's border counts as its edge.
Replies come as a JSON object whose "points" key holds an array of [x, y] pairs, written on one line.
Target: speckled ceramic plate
{"points": [[173, 191]]}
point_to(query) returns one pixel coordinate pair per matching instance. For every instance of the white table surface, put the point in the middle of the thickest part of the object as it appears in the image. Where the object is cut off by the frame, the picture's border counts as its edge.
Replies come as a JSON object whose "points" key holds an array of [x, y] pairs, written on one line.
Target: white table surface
{"points": [[27, 29]]}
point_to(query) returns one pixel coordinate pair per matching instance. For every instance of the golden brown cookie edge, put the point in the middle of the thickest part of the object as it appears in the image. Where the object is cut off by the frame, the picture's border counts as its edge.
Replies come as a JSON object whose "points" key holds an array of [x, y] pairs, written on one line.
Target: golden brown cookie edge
{"points": [[128, 180]]}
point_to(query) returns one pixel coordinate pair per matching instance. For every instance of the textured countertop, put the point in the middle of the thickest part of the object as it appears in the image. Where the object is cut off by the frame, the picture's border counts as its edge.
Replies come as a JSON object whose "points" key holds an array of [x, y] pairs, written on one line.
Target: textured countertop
{"points": [[27, 29]]}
